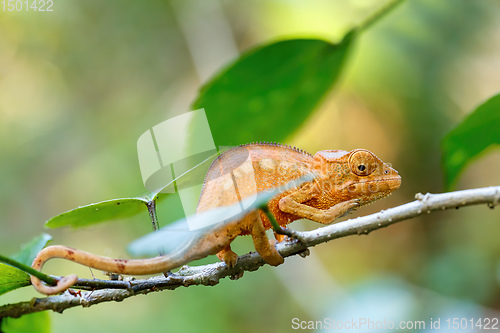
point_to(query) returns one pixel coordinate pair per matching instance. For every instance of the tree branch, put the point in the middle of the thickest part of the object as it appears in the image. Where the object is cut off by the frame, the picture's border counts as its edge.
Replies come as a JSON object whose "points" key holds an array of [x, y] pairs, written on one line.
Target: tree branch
{"points": [[210, 275]]}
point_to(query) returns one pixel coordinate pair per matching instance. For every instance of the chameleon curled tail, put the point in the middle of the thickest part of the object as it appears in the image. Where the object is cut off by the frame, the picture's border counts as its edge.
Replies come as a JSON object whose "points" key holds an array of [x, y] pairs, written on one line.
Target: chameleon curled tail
{"points": [[133, 267], [154, 265]]}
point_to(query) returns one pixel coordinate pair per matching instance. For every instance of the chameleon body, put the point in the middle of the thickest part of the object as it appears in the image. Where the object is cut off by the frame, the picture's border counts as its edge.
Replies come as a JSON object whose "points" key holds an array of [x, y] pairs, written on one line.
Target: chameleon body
{"points": [[343, 181]]}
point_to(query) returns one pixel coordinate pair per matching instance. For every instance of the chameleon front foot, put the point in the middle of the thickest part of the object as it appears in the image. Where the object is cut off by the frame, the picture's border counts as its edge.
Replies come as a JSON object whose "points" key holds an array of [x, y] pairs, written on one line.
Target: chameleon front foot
{"points": [[286, 234]]}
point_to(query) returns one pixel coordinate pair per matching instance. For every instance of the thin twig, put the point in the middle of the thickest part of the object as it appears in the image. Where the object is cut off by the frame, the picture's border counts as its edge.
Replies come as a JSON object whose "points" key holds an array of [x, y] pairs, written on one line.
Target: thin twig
{"points": [[44, 277], [378, 15], [209, 275]]}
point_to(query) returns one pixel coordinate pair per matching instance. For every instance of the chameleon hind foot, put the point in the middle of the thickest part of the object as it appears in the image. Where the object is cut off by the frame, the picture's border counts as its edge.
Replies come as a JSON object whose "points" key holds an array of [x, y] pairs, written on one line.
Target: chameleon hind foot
{"points": [[228, 256], [271, 255]]}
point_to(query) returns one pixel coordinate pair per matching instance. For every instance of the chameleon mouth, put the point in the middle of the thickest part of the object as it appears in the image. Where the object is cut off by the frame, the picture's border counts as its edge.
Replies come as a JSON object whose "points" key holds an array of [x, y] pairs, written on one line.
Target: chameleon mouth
{"points": [[374, 185], [393, 182]]}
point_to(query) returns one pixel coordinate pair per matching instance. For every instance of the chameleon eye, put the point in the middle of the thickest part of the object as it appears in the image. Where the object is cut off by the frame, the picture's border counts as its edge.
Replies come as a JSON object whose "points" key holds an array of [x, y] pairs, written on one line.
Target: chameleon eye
{"points": [[362, 163]]}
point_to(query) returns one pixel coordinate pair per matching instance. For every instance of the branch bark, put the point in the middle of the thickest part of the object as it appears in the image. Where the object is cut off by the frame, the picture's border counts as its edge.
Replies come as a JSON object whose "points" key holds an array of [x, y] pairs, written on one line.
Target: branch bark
{"points": [[105, 291]]}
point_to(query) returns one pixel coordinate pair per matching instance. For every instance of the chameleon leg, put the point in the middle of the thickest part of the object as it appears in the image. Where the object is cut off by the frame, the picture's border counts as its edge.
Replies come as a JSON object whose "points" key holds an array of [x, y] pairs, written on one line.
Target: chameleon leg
{"points": [[228, 256], [263, 246], [318, 215], [292, 204]]}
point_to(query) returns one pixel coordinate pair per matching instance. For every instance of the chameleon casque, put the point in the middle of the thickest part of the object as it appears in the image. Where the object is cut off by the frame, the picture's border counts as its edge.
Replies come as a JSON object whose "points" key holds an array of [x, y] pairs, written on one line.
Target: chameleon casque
{"points": [[343, 181]]}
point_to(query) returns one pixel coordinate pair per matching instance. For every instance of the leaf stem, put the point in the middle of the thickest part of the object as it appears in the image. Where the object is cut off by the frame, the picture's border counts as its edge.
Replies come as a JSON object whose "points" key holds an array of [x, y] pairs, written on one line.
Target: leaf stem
{"points": [[45, 278], [277, 228], [152, 213], [379, 14]]}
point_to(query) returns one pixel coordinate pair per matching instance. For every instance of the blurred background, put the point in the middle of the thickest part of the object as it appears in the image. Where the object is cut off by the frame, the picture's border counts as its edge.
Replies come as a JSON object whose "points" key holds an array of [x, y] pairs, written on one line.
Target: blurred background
{"points": [[79, 85]]}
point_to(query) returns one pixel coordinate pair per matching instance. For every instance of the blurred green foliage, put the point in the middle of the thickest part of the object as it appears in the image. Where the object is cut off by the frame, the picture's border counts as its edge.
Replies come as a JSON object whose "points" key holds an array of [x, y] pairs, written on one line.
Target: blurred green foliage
{"points": [[34, 322], [78, 87], [479, 131]]}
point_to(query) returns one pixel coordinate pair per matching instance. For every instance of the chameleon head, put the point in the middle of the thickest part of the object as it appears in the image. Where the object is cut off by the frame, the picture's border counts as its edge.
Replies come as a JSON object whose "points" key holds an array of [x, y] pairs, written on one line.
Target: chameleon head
{"points": [[358, 174], [369, 177]]}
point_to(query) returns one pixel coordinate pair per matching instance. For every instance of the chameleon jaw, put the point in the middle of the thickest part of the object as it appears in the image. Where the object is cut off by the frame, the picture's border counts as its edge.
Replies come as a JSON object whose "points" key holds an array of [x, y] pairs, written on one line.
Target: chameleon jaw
{"points": [[371, 190]]}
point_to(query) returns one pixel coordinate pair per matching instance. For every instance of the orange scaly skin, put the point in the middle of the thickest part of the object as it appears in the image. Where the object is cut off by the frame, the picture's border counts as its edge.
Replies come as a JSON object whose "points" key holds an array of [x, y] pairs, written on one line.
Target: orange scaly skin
{"points": [[344, 181]]}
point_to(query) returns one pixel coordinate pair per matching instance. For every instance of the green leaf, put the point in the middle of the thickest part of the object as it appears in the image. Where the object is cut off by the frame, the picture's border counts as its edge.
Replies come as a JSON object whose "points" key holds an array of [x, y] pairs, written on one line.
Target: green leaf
{"points": [[99, 212], [34, 322], [12, 278], [181, 232], [30, 250], [477, 132], [269, 91]]}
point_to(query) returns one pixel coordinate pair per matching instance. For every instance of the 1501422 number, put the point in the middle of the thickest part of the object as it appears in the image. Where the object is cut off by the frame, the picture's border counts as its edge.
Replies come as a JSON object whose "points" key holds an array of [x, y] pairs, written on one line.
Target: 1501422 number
{"points": [[27, 5], [471, 323]]}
